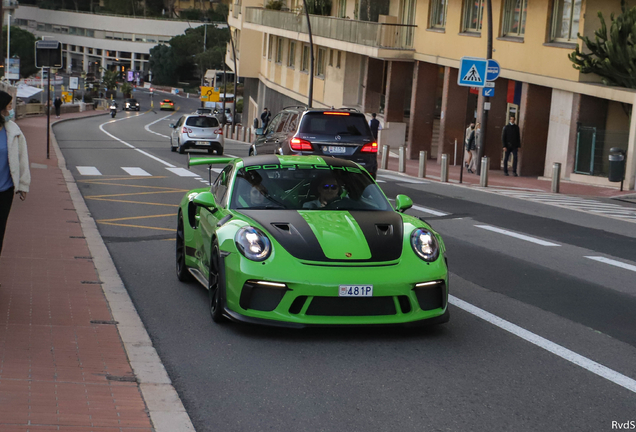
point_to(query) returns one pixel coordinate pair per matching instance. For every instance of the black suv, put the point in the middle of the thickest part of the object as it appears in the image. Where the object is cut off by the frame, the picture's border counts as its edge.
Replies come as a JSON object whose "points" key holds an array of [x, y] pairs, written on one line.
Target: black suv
{"points": [[342, 133]]}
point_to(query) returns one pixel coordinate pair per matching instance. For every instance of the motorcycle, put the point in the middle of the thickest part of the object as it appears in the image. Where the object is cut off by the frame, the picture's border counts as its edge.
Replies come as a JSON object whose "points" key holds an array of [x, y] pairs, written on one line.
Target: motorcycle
{"points": [[113, 111]]}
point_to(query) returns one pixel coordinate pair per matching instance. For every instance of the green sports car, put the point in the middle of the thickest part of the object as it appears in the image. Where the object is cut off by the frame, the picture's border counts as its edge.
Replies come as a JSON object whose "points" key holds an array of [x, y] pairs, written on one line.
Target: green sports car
{"points": [[297, 241]]}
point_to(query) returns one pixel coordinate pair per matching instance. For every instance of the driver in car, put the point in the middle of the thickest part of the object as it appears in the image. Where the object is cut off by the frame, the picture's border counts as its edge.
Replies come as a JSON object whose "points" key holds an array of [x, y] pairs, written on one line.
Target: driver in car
{"points": [[328, 190]]}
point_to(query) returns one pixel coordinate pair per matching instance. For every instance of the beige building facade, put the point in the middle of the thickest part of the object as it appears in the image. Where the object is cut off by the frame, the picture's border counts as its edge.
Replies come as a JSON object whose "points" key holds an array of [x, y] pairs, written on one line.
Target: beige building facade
{"points": [[400, 58]]}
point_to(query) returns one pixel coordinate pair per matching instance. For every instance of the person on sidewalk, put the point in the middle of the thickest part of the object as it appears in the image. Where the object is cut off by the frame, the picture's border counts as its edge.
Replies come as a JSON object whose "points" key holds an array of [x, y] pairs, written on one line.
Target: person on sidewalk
{"points": [[375, 126], [14, 162], [58, 106], [266, 116], [511, 140], [473, 142], [468, 156]]}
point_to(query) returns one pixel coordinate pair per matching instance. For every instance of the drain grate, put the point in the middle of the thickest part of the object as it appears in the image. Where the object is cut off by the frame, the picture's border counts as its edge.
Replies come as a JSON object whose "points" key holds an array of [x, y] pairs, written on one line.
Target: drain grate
{"points": [[79, 237], [111, 322], [92, 282], [84, 257], [72, 221]]}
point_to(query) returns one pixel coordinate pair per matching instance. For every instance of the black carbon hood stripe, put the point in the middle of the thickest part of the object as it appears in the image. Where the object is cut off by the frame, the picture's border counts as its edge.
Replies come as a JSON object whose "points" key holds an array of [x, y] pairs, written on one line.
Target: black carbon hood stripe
{"points": [[383, 231]]}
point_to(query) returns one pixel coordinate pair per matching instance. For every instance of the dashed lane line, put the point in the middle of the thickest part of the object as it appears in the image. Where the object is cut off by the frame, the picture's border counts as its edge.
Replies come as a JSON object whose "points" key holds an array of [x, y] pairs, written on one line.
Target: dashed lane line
{"points": [[136, 171], [613, 262], [517, 235], [88, 170], [429, 211], [558, 350]]}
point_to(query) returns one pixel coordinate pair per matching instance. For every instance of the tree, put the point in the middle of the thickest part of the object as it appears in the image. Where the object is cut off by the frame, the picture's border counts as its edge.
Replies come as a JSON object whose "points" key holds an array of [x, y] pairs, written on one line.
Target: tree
{"points": [[110, 80], [163, 65], [23, 46], [613, 56]]}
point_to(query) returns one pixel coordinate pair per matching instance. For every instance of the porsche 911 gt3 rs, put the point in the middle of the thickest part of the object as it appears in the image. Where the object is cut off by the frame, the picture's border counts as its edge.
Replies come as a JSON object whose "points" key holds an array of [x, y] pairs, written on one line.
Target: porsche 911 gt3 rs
{"points": [[308, 240]]}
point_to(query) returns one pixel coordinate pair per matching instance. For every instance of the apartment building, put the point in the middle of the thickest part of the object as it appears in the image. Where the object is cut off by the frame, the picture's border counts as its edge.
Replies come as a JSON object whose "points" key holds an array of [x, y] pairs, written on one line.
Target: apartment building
{"points": [[400, 58]]}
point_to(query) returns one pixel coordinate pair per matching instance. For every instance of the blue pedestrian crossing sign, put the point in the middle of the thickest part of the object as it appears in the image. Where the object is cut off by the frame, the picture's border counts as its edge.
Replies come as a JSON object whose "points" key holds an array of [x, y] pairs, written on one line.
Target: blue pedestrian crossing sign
{"points": [[472, 72]]}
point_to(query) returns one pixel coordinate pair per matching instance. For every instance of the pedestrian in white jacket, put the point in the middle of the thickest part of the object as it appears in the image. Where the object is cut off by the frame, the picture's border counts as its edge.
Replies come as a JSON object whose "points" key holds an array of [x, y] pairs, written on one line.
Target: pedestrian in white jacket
{"points": [[15, 176]]}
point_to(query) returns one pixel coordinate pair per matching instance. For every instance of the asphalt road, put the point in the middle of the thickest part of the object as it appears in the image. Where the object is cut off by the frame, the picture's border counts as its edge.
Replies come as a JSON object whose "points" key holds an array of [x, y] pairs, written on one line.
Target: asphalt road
{"points": [[541, 337]]}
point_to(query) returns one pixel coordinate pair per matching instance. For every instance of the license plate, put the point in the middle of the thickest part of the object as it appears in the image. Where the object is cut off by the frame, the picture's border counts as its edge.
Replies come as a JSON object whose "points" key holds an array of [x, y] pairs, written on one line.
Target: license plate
{"points": [[336, 149], [355, 291]]}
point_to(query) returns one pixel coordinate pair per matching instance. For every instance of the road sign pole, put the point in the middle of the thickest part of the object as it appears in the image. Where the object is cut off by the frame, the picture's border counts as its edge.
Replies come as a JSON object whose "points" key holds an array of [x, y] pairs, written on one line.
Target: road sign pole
{"points": [[484, 113], [48, 111]]}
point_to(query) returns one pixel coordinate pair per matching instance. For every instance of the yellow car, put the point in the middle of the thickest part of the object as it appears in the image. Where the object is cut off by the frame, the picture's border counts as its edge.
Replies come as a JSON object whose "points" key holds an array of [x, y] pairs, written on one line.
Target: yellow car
{"points": [[166, 104]]}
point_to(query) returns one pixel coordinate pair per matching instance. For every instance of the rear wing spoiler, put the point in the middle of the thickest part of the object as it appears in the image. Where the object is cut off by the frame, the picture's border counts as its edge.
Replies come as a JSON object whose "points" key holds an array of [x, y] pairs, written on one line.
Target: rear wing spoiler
{"points": [[209, 161]]}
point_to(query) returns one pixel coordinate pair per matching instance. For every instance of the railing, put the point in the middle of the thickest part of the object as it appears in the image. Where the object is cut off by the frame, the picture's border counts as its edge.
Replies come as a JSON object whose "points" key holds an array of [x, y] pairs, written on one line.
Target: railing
{"points": [[389, 36], [236, 9], [9, 3]]}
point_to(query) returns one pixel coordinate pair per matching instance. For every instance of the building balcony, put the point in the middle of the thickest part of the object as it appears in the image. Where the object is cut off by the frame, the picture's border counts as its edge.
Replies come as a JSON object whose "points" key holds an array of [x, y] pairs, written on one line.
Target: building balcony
{"points": [[9, 4], [369, 38]]}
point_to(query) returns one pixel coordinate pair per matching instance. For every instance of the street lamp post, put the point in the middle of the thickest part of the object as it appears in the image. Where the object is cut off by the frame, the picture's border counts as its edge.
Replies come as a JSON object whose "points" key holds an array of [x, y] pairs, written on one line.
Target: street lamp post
{"points": [[310, 98], [486, 99]]}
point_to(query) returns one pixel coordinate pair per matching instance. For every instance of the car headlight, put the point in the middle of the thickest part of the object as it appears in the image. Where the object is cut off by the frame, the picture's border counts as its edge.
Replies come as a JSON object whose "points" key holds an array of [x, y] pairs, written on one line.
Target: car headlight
{"points": [[425, 244], [253, 243]]}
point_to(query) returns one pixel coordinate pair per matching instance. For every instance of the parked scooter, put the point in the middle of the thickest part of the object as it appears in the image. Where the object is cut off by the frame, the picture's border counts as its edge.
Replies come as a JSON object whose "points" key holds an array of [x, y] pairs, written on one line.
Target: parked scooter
{"points": [[113, 109]]}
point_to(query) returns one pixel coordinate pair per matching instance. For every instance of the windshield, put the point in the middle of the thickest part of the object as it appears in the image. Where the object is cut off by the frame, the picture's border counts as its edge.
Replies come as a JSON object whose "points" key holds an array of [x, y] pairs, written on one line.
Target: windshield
{"points": [[131, 100], [306, 187], [202, 122], [318, 123]]}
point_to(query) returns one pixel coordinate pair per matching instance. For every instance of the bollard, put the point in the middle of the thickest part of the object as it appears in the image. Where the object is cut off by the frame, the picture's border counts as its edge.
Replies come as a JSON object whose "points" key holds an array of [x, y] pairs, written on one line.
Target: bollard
{"points": [[421, 172], [483, 178], [444, 175], [385, 157], [244, 133], [238, 132], [556, 177], [402, 167], [249, 134]]}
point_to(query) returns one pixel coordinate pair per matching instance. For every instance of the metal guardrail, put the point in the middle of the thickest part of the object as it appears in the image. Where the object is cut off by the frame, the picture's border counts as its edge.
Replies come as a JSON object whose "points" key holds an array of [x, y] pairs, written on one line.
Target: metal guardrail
{"points": [[379, 35]]}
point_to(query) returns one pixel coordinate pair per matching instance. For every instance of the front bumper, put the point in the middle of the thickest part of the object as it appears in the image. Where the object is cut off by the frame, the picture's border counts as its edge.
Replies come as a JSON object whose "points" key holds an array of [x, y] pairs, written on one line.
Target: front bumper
{"points": [[311, 299]]}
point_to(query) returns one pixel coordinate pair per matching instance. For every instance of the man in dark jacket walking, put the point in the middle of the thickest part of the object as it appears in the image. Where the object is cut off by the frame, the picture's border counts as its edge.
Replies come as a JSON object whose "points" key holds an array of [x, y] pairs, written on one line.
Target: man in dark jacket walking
{"points": [[58, 105], [374, 125], [266, 116], [511, 140]]}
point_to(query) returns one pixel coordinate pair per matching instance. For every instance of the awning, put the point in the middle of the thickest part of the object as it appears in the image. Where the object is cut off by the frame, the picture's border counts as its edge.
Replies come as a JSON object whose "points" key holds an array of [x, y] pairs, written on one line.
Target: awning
{"points": [[26, 91]]}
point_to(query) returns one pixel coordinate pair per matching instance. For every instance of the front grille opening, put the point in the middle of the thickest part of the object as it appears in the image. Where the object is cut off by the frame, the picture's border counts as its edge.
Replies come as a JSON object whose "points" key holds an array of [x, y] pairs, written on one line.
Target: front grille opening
{"points": [[339, 306], [431, 297], [297, 305], [261, 297], [405, 304]]}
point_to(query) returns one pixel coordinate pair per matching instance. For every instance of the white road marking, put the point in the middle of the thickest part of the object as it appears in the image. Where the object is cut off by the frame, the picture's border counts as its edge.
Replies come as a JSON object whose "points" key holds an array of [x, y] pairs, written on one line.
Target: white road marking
{"points": [[613, 262], [429, 211], [564, 353], [517, 235], [380, 181], [101, 127], [402, 179], [88, 170], [147, 127], [182, 172], [136, 171]]}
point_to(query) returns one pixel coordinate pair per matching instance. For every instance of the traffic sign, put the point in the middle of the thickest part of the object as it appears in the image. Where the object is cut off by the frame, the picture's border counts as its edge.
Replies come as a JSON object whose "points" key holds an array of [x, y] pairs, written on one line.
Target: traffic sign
{"points": [[493, 70], [488, 91], [472, 72]]}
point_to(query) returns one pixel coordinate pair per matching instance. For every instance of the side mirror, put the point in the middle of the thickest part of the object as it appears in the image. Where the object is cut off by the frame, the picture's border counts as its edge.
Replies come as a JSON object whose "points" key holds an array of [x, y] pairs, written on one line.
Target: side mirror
{"points": [[258, 132], [402, 203], [206, 199], [171, 125]]}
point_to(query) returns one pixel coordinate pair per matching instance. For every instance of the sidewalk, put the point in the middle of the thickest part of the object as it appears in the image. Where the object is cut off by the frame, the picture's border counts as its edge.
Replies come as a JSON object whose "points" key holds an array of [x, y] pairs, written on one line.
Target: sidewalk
{"points": [[496, 179], [66, 362]]}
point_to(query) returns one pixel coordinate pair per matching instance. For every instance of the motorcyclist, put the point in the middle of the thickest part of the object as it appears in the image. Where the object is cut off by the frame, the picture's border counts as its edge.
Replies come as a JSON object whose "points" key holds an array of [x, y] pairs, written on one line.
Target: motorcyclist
{"points": [[113, 108]]}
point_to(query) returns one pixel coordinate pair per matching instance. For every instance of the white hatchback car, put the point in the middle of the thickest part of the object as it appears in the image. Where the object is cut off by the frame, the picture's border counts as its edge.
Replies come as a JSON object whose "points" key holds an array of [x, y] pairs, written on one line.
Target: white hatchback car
{"points": [[197, 131]]}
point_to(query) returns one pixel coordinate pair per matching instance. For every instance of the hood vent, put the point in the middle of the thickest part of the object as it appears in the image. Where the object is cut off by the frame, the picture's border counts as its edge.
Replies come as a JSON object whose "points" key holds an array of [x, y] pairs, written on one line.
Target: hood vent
{"points": [[283, 227], [384, 229]]}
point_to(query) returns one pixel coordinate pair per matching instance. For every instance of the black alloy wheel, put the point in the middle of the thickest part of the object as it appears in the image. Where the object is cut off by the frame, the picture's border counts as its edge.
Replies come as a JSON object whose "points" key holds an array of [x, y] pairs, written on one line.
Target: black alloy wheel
{"points": [[216, 285], [182, 271]]}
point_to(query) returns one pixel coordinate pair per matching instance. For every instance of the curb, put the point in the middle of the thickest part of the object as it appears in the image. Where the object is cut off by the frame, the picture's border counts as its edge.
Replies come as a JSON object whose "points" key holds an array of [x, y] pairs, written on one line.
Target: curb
{"points": [[166, 411]]}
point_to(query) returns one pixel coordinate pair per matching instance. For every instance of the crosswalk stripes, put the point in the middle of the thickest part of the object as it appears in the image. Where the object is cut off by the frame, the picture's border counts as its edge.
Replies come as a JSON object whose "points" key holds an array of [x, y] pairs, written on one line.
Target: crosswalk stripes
{"points": [[136, 171], [575, 203], [140, 172]]}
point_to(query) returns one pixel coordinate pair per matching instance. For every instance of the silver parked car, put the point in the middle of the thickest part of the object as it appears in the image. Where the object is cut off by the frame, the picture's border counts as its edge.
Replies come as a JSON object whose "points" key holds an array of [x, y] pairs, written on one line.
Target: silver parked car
{"points": [[197, 131]]}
